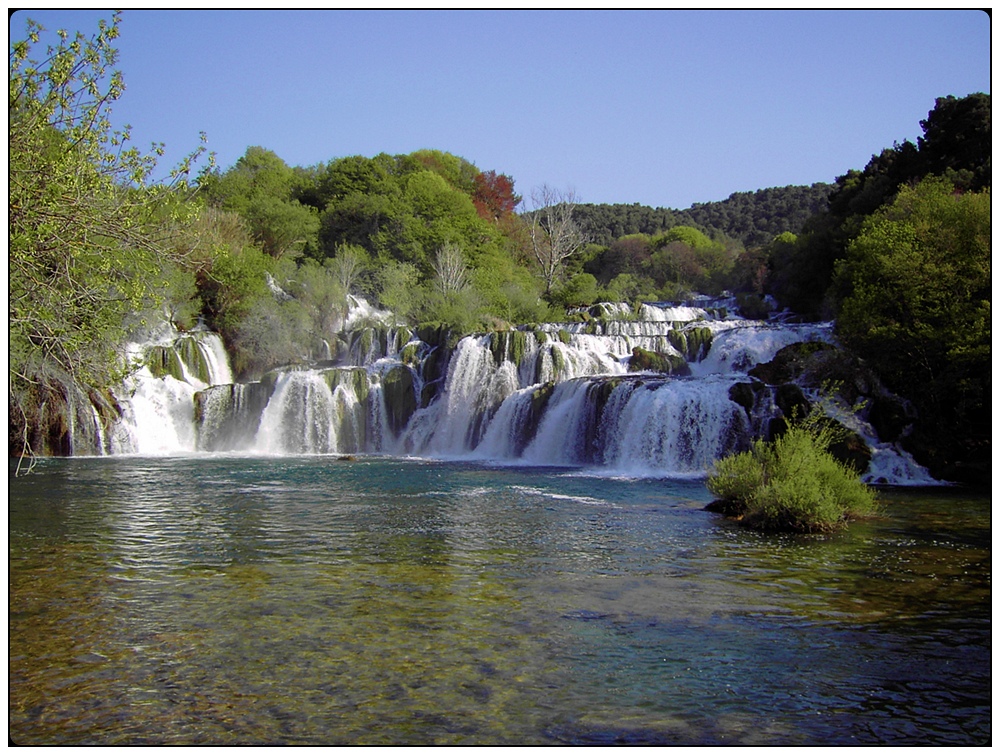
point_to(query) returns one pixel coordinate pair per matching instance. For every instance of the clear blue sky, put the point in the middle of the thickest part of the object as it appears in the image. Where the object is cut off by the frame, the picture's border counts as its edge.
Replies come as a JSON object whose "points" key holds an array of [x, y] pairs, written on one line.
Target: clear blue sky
{"points": [[663, 108]]}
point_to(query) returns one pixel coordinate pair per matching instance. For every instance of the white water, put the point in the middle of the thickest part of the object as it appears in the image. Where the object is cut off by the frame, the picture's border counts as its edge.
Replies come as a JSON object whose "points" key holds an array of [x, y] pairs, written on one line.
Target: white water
{"points": [[158, 412], [568, 400]]}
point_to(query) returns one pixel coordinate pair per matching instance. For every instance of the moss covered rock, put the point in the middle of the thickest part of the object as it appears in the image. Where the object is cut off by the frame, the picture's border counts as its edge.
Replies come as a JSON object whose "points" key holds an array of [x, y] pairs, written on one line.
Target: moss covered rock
{"points": [[789, 363], [164, 360], [399, 389], [652, 361], [692, 343]]}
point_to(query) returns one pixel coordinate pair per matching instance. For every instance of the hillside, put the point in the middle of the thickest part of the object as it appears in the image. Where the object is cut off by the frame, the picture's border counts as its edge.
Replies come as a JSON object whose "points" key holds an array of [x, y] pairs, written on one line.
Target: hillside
{"points": [[753, 218]]}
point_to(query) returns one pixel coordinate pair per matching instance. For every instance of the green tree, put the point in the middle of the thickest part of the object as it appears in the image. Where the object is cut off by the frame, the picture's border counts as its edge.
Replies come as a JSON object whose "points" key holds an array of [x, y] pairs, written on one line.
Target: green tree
{"points": [[915, 302], [956, 145], [580, 290], [283, 228], [958, 139], [260, 188], [397, 287], [89, 231]]}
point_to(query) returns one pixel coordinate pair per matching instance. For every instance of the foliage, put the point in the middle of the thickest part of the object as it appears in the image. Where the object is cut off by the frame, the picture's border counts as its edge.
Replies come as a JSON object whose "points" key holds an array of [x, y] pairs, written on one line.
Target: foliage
{"points": [[754, 218], [415, 230], [957, 140], [259, 187], [792, 483], [956, 145], [915, 290], [494, 196], [88, 231], [397, 283], [751, 218], [579, 291]]}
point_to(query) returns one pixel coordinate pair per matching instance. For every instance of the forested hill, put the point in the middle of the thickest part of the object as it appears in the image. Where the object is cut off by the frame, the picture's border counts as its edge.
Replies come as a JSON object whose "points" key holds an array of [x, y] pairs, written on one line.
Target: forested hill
{"points": [[754, 218]]}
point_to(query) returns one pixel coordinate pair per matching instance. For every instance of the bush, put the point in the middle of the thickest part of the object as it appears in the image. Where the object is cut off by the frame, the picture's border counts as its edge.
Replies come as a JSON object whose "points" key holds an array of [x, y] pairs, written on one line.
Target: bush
{"points": [[791, 484]]}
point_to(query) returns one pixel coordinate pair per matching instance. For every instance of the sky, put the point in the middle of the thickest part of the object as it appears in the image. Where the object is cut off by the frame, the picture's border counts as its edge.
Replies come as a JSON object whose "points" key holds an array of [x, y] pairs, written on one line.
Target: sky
{"points": [[663, 108]]}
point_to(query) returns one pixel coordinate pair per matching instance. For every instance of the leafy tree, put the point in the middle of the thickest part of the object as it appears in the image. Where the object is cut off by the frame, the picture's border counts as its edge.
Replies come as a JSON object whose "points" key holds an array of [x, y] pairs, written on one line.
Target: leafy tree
{"points": [[258, 173], [259, 187], [956, 144], [493, 196], [283, 228], [628, 255], [628, 287], [752, 218], [958, 139], [322, 296], [508, 289], [580, 290], [88, 230], [915, 290], [459, 173], [684, 234], [234, 284], [397, 287]]}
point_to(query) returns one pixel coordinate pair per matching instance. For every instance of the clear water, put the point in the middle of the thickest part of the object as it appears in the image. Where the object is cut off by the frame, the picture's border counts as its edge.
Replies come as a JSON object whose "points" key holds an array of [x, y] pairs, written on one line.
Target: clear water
{"points": [[306, 600]]}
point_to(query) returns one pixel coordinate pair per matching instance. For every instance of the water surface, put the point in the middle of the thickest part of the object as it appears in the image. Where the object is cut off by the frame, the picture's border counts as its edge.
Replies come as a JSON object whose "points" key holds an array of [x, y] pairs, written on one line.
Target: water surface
{"points": [[306, 600]]}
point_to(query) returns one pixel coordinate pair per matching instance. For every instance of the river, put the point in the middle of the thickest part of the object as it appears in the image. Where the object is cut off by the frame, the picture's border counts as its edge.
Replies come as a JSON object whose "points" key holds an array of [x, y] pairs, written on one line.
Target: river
{"points": [[219, 599]]}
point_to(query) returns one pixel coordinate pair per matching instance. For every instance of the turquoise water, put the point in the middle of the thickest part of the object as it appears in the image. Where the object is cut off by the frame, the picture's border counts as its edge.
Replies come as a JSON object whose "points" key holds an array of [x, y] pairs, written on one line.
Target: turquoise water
{"points": [[307, 600]]}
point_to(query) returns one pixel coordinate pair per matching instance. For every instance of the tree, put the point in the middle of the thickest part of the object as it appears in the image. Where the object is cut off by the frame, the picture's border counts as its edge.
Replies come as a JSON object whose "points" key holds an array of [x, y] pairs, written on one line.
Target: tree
{"points": [[915, 303], [958, 137], [88, 231], [493, 196], [579, 291], [259, 187], [283, 228], [555, 235], [397, 282], [450, 271], [628, 255]]}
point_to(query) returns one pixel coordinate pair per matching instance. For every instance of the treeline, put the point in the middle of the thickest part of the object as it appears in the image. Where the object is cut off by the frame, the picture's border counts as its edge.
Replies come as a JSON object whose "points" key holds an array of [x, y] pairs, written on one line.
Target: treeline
{"points": [[268, 254], [751, 218]]}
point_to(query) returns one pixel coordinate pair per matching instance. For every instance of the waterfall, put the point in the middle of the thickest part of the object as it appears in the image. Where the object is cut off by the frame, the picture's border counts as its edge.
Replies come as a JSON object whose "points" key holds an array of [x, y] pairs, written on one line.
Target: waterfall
{"points": [[660, 389], [313, 412], [158, 400], [675, 427]]}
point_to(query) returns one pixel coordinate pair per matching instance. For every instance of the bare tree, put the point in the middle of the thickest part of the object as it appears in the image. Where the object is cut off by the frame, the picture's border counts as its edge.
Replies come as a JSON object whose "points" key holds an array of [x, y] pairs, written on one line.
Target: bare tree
{"points": [[450, 269], [555, 236], [348, 263]]}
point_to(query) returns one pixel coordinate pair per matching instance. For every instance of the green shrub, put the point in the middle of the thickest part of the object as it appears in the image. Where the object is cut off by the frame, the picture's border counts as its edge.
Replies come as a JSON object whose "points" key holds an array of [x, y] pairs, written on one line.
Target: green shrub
{"points": [[791, 484]]}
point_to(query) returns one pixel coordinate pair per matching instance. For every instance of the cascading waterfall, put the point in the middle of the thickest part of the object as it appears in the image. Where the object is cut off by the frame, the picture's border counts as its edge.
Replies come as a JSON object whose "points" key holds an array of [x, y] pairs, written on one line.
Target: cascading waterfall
{"points": [[158, 400], [645, 391]]}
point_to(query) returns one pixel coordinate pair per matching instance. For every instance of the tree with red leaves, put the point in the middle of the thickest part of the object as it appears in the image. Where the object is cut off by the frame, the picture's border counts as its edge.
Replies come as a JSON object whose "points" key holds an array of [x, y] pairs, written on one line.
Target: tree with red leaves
{"points": [[494, 195]]}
